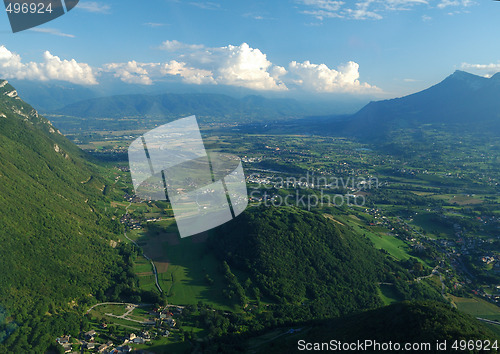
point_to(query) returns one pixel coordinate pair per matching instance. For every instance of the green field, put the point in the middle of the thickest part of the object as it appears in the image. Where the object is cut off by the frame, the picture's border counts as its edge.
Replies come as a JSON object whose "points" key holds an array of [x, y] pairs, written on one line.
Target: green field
{"points": [[187, 271], [142, 265], [144, 271], [141, 313], [387, 294], [478, 307], [147, 282], [432, 225], [171, 344], [396, 248], [113, 309], [138, 314], [185, 280]]}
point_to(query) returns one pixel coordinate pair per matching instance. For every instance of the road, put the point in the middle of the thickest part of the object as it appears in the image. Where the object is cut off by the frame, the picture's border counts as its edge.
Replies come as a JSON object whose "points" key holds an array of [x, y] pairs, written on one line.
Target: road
{"points": [[434, 271], [115, 303], [488, 321], [126, 318], [155, 272], [126, 303]]}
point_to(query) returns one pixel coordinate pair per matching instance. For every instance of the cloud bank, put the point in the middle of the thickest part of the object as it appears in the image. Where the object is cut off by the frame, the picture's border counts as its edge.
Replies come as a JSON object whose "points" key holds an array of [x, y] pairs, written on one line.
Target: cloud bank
{"points": [[232, 65], [320, 78], [241, 66], [51, 68]]}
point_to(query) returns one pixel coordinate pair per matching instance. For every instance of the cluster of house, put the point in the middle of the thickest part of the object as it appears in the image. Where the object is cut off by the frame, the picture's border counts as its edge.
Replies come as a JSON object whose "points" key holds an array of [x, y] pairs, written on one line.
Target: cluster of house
{"points": [[64, 341], [131, 223], [90, 344], [251, 159], [132, 198], [166, 315], [488, 259]]}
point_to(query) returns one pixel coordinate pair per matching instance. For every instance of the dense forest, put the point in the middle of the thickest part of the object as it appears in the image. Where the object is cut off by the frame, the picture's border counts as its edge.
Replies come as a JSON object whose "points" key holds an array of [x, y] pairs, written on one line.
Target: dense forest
{"points": [[308, 265], [405, 322], [58, 253]]}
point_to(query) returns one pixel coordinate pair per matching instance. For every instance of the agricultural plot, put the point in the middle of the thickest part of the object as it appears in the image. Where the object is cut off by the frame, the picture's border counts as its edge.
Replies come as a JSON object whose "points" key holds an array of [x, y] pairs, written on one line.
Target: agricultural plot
{"points": [[380, 238], [480, 308], [388, 294], [193, 275], [477, 307], [187, 271], [434, 227]]}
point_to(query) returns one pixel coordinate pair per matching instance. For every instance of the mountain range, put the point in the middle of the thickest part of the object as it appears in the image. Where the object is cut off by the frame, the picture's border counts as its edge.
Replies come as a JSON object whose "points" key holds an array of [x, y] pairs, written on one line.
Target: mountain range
{"points": [[461, 99], [461, 103], [50, 97], [170, 104]]}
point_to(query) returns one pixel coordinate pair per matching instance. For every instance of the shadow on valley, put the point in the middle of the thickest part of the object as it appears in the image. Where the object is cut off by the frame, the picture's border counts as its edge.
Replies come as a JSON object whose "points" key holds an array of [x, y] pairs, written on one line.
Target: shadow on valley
{"points": [[188, 271]]}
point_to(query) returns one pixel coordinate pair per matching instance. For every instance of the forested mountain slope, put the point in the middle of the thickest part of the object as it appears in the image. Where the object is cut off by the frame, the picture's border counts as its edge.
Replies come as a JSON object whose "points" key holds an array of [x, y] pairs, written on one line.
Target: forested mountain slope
{"points": [[417, 323], [55, 241]]}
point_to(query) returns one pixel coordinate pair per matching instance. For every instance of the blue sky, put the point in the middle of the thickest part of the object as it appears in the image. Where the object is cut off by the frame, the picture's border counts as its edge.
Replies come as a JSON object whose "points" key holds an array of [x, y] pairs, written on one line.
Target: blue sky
{"points": [[372, 48]]}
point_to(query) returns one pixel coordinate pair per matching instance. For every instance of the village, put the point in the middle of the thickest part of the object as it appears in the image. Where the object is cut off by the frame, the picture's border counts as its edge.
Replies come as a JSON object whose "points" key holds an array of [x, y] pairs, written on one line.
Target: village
{"points": [[154, 323], [460, 247]]}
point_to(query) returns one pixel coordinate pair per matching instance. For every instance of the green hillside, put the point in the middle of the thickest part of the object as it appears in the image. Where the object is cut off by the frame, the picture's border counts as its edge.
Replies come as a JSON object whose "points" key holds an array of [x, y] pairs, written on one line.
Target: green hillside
{"points": [[56, 252], [407, 322], [309, 265]]}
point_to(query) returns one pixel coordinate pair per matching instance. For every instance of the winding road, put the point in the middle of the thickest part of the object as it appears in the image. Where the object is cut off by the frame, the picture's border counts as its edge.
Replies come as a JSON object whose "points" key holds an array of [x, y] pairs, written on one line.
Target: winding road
{"points": [[115, 303], [155, 272]]}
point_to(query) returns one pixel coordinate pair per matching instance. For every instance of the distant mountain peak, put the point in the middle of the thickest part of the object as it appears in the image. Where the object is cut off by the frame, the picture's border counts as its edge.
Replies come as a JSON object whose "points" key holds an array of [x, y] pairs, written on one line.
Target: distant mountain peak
{"points": [[459, 73], [464, 75], [461, 98], [473, 81]]}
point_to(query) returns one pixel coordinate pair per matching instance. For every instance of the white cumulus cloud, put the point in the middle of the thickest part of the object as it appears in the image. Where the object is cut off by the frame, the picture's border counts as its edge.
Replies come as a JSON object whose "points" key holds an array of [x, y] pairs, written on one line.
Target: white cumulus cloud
{"points": [[52, 68], [189, 75], [196, 64], [67, 70], [134, 72], [231, 65], [320, 78], [241, 66], [131, 72], [247, 67]]}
